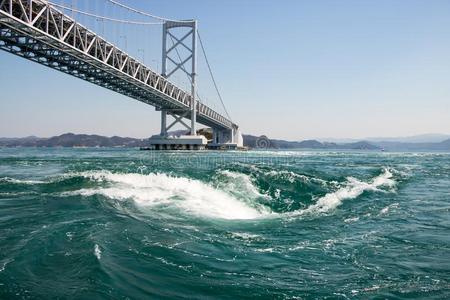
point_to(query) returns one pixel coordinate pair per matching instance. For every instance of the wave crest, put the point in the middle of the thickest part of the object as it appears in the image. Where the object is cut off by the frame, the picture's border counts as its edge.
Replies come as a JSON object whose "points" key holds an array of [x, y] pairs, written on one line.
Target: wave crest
{"points": [[353, 189], [230, 195], [159, 189]]}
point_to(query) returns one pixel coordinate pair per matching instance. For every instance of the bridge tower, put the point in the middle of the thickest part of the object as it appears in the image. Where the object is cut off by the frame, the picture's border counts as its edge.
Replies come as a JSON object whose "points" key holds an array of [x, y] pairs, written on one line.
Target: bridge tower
{"points": [[188, 65], [173, 62]]}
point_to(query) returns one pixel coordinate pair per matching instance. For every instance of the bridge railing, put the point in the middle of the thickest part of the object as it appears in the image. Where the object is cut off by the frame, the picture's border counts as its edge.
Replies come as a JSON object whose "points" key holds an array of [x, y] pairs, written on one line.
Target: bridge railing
{"points": [[43, 17]]}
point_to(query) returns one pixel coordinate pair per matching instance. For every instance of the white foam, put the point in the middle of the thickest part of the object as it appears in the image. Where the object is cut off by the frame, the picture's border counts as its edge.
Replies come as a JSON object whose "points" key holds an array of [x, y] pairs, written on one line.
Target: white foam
{"points": [[351, 220], [235, 198], [186, 194], [19, 181], [245, 236], [353, 189], [265, 250], [386, 209], [4, 263], [97, 252], [290, 176]]}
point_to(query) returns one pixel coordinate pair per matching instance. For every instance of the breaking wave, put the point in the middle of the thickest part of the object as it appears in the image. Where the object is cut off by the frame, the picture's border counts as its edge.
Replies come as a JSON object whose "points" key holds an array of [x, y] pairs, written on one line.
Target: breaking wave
{"points": [[189, 195], [229, 195], [353, 189]]}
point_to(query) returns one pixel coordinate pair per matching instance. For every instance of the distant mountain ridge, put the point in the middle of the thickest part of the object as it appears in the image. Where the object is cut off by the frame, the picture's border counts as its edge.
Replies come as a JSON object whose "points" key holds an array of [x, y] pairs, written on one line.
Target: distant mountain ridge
{"points": [[420, 138], [73, 140], [254, 141], [355, 145], [397, 146], [85, 140]]}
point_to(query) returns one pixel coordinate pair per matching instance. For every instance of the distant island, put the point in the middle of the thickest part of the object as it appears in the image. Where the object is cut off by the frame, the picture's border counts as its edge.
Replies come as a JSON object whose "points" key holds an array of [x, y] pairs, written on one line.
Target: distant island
{"points": [[73, 140], [252, 142], [85, 140]]}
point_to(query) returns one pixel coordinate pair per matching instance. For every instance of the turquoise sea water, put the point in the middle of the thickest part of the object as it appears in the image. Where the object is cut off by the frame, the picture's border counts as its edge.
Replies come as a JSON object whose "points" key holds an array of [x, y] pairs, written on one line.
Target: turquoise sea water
{"points": [[128, 224]]}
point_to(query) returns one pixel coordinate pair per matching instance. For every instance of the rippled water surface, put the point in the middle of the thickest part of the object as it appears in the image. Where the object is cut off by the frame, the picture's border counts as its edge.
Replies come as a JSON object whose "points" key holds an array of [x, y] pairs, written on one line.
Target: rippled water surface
{"points": [[122, 223]]}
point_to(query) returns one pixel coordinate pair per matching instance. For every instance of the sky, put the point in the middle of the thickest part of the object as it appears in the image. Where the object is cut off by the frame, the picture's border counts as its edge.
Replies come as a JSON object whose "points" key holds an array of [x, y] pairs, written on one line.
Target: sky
{"points": [[289, 69]]}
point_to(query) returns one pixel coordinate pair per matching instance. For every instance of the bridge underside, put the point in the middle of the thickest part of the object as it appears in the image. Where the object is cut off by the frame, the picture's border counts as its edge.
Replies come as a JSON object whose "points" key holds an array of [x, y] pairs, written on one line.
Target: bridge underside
{"points": [[24, 46], [21, 44], [34, 30]]}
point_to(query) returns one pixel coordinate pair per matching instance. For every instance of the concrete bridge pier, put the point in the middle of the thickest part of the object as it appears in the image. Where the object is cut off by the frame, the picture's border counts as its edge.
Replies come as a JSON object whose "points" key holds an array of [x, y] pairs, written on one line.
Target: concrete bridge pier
{"points": [[163, 141], [226, 139], [222, 139]]}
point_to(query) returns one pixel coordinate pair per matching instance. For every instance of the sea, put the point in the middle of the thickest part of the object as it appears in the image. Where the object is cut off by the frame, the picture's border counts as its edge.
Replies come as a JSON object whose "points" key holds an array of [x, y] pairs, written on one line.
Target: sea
{"points": [[115, 223]]}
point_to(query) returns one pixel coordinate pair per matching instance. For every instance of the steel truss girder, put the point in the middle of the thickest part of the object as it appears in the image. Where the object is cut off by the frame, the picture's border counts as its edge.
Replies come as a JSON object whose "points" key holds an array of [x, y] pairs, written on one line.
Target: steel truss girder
{"points": [[60, 61], [27, 25]]}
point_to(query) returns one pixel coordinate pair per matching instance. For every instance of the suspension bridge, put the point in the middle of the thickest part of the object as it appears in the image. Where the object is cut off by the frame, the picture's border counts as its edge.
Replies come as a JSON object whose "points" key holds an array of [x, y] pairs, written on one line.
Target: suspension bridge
{"points": [[50, 34]]}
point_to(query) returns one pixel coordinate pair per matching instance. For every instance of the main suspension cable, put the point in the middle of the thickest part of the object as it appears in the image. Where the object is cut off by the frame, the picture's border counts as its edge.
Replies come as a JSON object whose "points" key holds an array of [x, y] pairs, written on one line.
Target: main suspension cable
{"points": [[103, 17], [212, 75], [144, 13]]}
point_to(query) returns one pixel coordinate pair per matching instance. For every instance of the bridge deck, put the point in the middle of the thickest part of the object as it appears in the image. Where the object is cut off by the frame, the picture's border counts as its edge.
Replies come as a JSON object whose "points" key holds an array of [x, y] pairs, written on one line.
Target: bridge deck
{"points": [[35, 30]]}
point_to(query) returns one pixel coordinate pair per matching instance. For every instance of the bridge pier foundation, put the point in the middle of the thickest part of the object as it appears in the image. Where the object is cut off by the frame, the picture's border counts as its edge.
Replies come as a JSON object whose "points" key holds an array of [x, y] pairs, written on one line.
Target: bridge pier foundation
{"points": [[226, 139], [165, 141], [184, 142]]}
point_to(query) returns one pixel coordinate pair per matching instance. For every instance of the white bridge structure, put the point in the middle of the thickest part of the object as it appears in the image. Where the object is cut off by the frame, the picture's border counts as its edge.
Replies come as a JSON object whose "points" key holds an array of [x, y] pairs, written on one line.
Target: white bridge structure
{"points": [[43, 32]]}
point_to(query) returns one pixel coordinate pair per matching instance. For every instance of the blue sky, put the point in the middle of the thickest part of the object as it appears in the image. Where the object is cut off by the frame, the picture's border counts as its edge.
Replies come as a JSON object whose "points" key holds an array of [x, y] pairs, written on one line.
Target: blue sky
{"points": [[288, 69]]}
